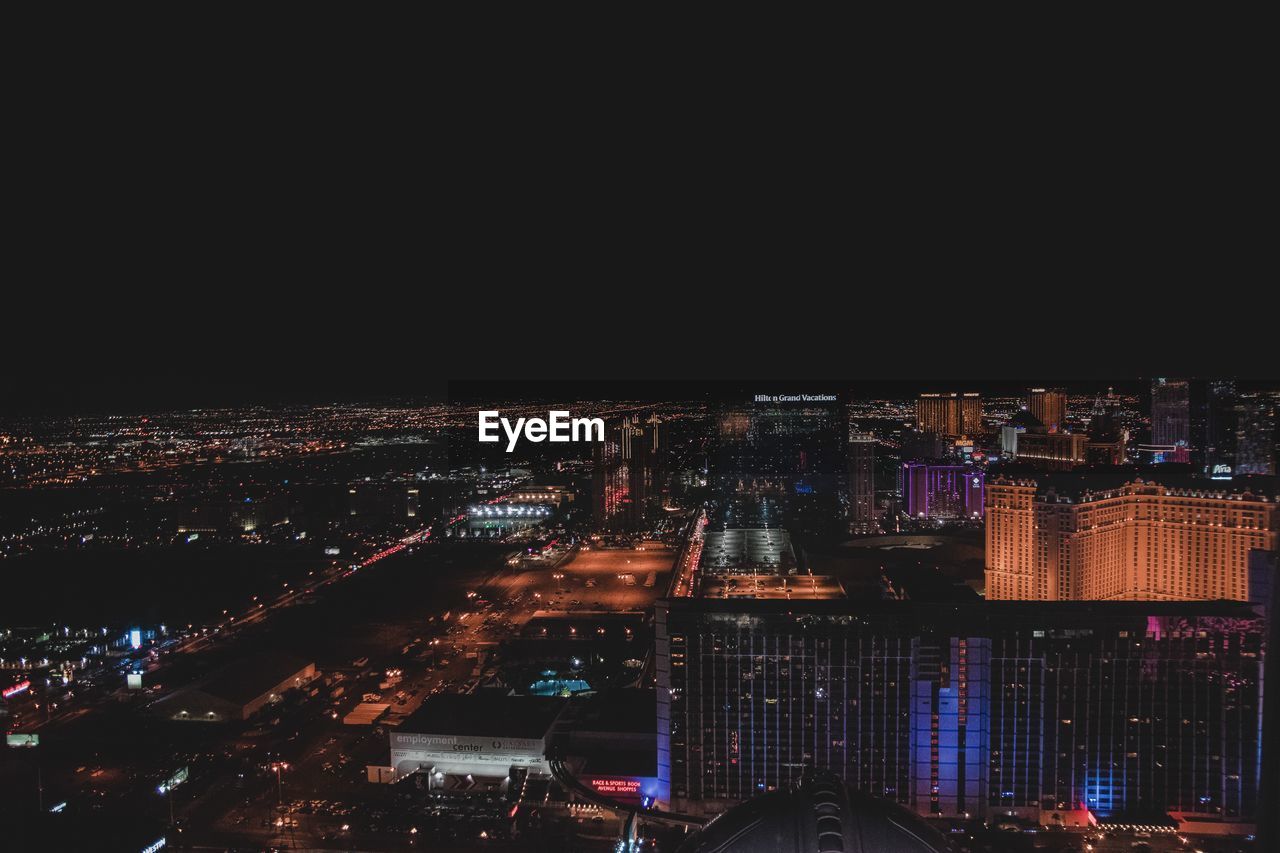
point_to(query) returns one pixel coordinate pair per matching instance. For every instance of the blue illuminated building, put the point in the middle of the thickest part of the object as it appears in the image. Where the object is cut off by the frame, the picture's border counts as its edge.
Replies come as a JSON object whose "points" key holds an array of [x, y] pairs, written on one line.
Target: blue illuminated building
{"points": [[1052, 712]]}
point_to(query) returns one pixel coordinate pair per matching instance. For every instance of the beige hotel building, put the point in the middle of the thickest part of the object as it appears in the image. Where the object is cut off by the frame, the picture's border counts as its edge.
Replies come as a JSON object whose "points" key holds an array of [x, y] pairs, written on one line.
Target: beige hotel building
{"points": [[1050, 538]]}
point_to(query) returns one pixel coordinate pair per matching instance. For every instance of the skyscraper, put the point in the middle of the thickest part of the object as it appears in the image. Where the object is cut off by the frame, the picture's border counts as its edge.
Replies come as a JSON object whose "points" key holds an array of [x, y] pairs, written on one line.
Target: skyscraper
{"points": [[1049, 405], [1253, 439], [1107, 438], [862, 486], [1219, 442], [611, 479], [949, 414], [1171, 412], [629, 473]]}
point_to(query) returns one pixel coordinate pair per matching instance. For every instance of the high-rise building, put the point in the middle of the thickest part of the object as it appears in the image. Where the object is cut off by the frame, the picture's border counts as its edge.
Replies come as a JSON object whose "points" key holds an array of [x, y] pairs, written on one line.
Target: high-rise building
{"points": [[949, 414], [650, 485], [942, 491], [610, 480], [629, 473], [862, 483], [1108, 440], [1255, 425], [1171, 413], [1049, 405], [1059, 537], [1218, 445], [1062, 711]]}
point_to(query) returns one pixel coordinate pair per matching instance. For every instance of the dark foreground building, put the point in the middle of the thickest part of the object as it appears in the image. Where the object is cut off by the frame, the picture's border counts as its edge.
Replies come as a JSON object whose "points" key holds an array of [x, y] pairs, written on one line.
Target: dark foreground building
{"points": [[821, 815], [1049, 711]]}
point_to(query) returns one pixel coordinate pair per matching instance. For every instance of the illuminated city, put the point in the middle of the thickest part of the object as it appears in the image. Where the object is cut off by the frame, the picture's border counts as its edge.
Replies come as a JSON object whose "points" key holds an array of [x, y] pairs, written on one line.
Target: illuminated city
{"points": [[978, 615]]}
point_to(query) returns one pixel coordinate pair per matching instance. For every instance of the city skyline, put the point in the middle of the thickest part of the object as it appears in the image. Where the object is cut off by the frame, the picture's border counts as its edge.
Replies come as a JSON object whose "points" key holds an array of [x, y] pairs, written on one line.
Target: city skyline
{"points": [[1039, 604]]}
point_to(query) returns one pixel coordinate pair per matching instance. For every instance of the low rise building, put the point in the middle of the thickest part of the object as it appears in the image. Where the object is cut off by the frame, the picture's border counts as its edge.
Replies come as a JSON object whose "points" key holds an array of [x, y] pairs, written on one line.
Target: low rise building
{"points": [[462, 741], [240, 690]]}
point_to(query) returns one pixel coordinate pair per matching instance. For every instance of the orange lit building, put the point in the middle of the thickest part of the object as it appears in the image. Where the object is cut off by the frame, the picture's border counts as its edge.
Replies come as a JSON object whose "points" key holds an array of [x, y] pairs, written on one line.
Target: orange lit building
{"points": [[1049, 538], [949, 414], [1049, 405]]}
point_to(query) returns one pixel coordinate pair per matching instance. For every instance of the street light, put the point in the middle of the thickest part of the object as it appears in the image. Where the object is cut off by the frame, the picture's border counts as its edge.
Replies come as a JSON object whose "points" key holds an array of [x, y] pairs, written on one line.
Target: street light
{"points": [[279, 766]]}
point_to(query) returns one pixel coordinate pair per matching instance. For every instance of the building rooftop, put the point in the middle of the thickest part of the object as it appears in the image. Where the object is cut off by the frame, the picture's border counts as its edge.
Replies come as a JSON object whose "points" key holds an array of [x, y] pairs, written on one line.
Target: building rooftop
{"points": [[742, 551], [250, 677], [485, 714], [979, 613], [771, 586], [1101, 478]]}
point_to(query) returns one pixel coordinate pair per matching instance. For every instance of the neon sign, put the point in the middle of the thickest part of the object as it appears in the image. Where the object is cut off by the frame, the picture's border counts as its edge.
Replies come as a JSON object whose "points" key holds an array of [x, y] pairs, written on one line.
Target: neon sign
{"points": [[616, 786], [20, 687]]}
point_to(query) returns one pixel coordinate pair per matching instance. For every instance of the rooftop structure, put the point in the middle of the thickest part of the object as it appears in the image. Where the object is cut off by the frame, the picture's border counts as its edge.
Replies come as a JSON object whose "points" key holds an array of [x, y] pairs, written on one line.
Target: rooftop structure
{"points": [[735, 551]]}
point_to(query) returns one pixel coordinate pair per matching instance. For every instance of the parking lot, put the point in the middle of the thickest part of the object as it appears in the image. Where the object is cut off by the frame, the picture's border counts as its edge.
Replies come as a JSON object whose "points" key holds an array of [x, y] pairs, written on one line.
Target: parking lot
{"points": [[613, 579]]}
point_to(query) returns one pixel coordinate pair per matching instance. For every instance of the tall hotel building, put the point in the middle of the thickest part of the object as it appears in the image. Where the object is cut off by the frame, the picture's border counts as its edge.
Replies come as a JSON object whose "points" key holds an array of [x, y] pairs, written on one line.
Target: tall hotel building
{"points": [[1171, 412], [1066, 709], [628, 473], [862, 483], [1253, 446], [949, 414], [1049, 405], [941, 491], [1052, 538]]}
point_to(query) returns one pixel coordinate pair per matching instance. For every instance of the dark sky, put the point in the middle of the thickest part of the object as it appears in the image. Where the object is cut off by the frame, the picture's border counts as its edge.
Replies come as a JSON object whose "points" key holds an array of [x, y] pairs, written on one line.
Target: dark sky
{"points": [[231, 368], [241, 252], [188, 349]]}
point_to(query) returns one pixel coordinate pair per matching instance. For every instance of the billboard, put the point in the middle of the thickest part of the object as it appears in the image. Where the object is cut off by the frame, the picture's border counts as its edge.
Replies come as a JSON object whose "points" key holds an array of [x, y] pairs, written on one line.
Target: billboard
{"points": [[174, 781], [450, 750], [15, 739]]}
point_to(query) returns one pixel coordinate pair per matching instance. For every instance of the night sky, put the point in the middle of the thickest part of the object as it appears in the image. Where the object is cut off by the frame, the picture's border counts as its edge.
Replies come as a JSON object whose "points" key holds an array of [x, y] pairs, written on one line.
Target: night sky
{"points": [[124, 358]]}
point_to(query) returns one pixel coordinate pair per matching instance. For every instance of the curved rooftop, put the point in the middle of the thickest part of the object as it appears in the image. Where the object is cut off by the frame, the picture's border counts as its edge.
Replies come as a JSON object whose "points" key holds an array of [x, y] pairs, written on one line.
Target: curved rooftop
{"points": [[822, 815]]}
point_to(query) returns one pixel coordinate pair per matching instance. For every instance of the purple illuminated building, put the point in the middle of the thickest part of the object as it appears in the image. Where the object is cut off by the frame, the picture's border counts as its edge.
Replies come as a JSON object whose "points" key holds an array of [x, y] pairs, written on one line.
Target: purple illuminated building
{"points": [[939, 490]]}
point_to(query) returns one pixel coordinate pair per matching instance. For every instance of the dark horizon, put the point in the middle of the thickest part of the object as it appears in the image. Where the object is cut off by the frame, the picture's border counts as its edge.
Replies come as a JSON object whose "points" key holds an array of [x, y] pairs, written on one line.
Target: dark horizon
{"points": [[143, 395]]}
